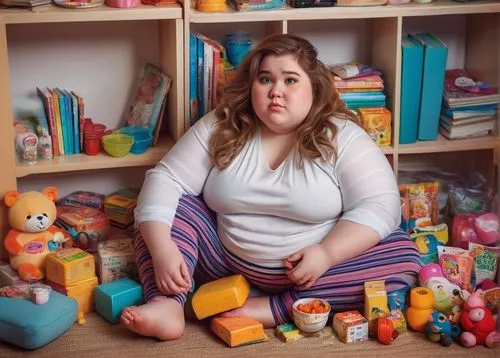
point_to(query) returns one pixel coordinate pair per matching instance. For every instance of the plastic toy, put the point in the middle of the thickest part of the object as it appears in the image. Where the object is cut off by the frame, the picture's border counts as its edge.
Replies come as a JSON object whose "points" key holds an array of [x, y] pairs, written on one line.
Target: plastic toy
{"points": [[421, 303], [32, 235], [439, 329], [448, 298], [386, 332], [478, 322]]}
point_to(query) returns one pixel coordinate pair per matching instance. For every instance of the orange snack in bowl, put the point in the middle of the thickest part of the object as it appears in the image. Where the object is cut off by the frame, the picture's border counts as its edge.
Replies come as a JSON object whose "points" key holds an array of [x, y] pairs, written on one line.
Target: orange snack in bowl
{"points": [[315, 306]]}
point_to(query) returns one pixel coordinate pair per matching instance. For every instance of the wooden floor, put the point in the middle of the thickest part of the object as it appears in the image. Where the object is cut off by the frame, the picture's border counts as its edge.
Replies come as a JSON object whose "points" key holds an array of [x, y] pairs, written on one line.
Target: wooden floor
{"points": [[99, 339]]}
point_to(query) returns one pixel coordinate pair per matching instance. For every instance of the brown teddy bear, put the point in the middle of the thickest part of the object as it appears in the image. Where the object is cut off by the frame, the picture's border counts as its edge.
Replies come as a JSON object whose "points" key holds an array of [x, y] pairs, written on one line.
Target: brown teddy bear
{"points": [[32, 235]]}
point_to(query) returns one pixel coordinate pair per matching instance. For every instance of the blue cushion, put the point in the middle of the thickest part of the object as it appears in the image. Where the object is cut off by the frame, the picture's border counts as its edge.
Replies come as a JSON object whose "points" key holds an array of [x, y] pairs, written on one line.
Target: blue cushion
{"points": [[30, 326]]}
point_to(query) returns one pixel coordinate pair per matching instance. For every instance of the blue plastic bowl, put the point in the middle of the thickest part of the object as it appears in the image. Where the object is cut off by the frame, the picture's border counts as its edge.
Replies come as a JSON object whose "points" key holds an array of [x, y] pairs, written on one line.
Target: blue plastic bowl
{"points": [[142, 138]]}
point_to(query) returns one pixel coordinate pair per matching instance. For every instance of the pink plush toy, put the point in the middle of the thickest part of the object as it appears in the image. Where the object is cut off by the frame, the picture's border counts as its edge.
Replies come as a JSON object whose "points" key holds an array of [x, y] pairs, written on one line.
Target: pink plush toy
{"points": [[478, 322]]}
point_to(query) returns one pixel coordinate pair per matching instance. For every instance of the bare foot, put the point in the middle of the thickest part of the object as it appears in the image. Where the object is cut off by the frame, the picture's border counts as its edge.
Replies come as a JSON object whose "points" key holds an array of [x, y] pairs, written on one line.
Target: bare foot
{"points": [[256, 307], [161, 317]]}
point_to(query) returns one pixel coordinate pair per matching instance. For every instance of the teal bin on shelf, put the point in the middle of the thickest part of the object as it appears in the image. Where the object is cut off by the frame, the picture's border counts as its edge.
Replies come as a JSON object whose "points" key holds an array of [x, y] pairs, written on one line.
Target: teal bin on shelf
{"points": [[112, 297]]}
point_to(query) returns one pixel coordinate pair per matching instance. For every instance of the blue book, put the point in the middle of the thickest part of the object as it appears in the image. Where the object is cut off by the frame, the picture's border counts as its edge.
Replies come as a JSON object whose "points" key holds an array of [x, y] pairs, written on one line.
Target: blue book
{"points": [[69, 116], [200, 46], [411, 84], [193, 79], [434, 68], [363, 96], [75, 122], [64, 121]]}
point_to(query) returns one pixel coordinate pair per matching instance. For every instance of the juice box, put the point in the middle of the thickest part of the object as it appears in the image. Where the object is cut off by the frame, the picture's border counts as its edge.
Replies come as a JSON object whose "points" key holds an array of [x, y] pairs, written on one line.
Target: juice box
{"points": [[376, 304], [350, 327]]}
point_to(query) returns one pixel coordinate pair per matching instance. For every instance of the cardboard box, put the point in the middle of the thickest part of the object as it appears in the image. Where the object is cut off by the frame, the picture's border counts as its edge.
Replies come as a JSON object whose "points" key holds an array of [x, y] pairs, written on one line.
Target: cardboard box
{"points": [[376, 304], [116, 259], [69, 266], [350, 327]]}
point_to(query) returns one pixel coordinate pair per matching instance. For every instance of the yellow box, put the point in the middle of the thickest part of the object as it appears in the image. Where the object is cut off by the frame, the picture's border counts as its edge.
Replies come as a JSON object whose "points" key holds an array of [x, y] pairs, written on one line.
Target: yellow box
{"points": [[238, 331], [220, 295], [377, 123], [350, 327], [69, 266], [375, 304], [82, 292]]}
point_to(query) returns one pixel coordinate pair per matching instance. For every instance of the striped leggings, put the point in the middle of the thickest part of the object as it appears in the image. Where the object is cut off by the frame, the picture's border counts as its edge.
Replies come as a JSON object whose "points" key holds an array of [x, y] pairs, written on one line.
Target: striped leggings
{"points": [[395, 260]]}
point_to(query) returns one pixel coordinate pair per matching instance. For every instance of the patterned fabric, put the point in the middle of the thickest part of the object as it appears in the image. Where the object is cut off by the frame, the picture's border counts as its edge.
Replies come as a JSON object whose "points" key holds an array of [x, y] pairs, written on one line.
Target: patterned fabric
{"points": [[395, 260]]}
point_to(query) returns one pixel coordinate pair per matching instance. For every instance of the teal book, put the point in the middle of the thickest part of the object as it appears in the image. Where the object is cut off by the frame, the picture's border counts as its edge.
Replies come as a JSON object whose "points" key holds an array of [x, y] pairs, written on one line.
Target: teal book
{"points": [[434, 68], [64, 120], [412, 53]]}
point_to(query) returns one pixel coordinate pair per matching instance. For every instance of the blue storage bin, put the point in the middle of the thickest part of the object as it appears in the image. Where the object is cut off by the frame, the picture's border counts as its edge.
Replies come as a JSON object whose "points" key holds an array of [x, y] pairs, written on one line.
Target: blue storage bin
{"points": [[142, 138]]}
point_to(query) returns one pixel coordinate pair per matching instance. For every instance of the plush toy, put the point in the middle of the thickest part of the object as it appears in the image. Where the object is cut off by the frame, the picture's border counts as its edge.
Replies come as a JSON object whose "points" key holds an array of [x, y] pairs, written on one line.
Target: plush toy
{"points": [[477, 322], [32, 235], [439, 329]]}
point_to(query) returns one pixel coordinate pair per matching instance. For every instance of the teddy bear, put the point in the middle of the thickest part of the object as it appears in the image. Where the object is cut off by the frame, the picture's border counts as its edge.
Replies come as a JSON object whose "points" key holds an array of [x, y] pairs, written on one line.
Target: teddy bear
{"points": [[32, 235], [477, 322]]}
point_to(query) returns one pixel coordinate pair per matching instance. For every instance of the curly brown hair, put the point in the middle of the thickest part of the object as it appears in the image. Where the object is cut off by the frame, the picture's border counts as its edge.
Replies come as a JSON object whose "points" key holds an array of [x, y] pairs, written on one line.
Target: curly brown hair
{"points": [[236, 118]]}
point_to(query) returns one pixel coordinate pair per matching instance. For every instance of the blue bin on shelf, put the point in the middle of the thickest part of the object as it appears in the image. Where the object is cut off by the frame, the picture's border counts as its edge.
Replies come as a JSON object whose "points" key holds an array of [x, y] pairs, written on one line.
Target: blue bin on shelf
{"points": [[142, 138]]}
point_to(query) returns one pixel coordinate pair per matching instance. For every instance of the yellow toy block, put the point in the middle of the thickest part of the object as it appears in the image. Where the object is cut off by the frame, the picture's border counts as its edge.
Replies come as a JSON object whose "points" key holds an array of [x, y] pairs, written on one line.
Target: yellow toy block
{"points": [[69, 266], [82, 292], [238, 331], [220, 295]]}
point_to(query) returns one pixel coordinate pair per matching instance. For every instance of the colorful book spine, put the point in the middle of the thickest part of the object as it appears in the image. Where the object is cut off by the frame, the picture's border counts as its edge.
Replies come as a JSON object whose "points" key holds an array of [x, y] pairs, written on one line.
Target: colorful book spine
{"points": [[193, 80], [434, 68], [411, 84], [55, 99], [46, 98], [81, 117], [76, 123]]}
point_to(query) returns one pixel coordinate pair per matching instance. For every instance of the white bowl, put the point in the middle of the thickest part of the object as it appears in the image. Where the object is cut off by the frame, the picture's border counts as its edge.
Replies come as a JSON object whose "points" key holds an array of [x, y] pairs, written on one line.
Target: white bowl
{"points": [[310, 322]]}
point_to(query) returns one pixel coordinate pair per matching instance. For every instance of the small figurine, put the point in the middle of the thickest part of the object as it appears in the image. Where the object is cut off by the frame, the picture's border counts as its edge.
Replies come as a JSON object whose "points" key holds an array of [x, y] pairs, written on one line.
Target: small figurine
{"points": [[439, 329]]}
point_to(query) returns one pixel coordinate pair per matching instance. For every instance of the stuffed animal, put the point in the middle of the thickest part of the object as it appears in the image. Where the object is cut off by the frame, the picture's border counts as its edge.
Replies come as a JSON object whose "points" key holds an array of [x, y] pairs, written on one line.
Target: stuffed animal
{"points": [[478, 322], [32, 235]]}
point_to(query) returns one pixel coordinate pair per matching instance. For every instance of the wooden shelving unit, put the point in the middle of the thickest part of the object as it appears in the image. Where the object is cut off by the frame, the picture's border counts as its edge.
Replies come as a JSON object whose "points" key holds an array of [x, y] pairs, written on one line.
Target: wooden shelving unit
{"points": [[380, 29], [383, 27]]}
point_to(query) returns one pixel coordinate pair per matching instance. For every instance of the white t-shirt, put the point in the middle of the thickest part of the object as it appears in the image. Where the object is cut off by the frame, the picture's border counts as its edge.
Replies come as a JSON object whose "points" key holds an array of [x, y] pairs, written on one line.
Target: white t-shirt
{"points": [[265, 215]]}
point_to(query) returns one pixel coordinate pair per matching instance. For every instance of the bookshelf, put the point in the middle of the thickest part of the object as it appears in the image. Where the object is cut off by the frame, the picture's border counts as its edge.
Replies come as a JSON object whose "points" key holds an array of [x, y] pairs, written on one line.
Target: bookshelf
{"points": [[373, 35], [92, 30], [369, 34]]}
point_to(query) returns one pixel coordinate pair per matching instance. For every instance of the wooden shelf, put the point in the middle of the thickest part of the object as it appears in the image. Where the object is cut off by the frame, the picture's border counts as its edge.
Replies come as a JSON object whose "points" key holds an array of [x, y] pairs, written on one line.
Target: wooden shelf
{"points": [[76, 162], [444, 145], [100, 13], [439, 7]]}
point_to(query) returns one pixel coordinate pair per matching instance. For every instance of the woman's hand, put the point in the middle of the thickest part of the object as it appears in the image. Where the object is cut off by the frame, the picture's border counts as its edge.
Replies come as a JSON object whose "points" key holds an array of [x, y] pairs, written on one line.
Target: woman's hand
{"points": [[171, 272], [307, 265]]}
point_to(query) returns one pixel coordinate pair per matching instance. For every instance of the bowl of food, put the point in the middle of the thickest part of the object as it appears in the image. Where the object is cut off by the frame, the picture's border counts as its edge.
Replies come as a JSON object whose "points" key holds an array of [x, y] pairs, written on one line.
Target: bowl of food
{"points": [[311, 314]]}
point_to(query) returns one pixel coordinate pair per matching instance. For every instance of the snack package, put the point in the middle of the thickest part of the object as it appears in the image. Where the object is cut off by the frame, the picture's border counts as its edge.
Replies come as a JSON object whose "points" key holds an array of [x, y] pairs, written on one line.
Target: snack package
{"points": [[456, 265], [419, 206], [485, 262]]}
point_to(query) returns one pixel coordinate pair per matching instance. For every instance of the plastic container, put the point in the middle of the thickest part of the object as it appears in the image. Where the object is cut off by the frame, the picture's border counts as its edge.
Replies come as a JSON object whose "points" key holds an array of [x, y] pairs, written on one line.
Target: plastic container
{"points": [[117, 145], [142, 138], [237, 45]]}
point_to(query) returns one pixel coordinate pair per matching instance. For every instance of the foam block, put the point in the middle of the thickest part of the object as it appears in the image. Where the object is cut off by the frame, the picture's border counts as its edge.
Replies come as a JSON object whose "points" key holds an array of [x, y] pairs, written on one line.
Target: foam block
{"points": [[112, 297]]}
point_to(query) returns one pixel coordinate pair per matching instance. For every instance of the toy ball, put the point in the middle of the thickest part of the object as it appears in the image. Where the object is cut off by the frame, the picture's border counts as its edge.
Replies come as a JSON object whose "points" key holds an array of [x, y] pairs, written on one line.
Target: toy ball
{"points": [[428, 271]]}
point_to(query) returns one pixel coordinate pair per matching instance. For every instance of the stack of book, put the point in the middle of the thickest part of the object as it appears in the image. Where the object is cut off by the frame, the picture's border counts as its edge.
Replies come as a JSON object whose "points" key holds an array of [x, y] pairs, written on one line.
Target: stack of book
{"points": [[360, 86], [469, 106], [34, 5]]}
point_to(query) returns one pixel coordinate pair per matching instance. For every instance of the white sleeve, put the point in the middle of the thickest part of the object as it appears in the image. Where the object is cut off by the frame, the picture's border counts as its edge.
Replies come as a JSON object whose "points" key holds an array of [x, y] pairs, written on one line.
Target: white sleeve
{"points": [[183, 170], [370, 194]]}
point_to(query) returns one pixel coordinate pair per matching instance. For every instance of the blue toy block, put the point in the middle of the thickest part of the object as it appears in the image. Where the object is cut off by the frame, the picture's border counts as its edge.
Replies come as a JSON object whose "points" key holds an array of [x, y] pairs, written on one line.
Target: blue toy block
{"points": [[112, 297]]}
